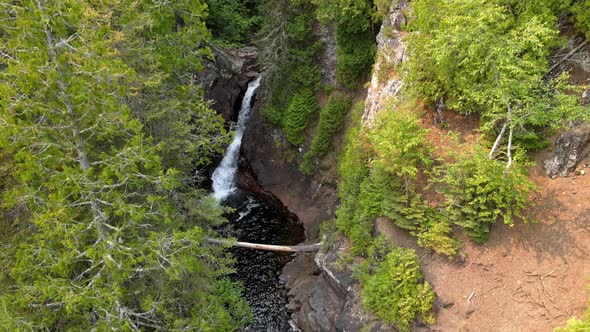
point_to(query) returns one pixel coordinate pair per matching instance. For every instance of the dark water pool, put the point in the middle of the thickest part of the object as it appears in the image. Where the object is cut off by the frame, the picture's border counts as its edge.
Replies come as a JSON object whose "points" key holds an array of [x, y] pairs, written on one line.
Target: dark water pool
{"points": [[263, 219]]}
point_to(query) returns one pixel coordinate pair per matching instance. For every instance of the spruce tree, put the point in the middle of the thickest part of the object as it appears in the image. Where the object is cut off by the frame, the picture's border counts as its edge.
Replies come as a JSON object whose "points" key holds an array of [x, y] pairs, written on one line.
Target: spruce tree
{"points": [[107, 246]]}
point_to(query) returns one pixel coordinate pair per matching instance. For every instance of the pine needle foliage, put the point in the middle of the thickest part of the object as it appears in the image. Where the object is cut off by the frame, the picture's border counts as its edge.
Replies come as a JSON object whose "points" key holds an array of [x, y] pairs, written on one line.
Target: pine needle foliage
{"points": [[330, 122], [109, 234], [480, 190], [394, 290]]}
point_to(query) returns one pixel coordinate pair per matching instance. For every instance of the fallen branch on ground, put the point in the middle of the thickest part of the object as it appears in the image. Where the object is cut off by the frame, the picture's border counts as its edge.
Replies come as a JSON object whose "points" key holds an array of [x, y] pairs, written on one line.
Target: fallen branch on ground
{"points": [[567, 56]]}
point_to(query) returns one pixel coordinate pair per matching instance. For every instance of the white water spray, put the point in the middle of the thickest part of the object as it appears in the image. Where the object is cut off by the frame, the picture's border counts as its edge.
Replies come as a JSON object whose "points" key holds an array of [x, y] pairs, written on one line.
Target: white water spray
{"points": [[224, 175]]}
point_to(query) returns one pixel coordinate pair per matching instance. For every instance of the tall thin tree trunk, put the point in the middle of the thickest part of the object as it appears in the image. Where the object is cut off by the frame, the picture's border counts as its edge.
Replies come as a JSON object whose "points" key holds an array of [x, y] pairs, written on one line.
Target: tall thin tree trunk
{"points": [[79, 142]]}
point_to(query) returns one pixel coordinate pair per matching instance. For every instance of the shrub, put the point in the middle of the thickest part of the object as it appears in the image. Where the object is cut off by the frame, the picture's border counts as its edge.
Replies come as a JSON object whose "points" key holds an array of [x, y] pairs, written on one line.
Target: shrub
{"points": [[331, 119], [479, 190], [355, 36], [354, 56], [399, 142], [395, 292], [435, 235], [232, 21], [302, 105], [289, 52], [581, 17], [576, 325], [354, 183], [408, 210]]}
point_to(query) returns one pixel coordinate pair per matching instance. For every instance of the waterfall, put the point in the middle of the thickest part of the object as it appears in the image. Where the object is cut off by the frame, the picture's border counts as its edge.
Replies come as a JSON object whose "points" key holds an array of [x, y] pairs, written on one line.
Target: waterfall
{"points": [[224, 175]]}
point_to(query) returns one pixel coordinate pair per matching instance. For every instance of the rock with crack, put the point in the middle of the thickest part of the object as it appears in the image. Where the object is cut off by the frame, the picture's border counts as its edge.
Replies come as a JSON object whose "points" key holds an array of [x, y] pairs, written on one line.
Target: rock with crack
{"points": [[570, 148]]}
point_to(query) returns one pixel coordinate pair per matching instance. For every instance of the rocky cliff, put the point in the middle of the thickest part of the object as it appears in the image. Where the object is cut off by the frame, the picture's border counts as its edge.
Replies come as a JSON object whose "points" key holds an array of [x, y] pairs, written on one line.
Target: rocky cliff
{"points": [[225, 78], [322, 296]]}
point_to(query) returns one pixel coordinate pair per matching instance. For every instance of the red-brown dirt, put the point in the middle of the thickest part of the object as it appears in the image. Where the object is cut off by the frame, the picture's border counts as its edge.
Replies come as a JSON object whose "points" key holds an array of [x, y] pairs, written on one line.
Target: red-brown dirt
{"points": [[530, 277]]}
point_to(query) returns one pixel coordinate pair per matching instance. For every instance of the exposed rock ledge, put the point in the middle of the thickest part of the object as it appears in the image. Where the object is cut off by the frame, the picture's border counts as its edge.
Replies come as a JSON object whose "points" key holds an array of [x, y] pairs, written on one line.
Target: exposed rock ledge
{"points": [[225, 79], [571, 147]]}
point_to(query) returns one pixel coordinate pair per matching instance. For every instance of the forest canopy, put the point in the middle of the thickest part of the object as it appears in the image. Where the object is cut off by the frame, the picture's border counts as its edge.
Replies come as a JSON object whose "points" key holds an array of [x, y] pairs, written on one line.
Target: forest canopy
{"points": [[103, 127]]}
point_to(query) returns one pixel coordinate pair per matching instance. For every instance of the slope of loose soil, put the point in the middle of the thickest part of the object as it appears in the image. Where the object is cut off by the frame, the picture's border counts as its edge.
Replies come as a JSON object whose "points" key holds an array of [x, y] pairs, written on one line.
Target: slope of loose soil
{"points": [[530, 277]]}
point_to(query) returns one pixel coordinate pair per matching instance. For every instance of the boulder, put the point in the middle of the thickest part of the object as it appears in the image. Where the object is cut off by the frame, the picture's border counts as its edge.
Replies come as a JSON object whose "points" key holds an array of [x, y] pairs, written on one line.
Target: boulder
{"points": [[570, 148]]}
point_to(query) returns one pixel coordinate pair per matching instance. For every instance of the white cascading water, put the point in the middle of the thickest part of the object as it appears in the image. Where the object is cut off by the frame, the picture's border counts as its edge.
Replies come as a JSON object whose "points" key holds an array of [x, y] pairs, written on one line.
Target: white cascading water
{"points": [[224, 175]]}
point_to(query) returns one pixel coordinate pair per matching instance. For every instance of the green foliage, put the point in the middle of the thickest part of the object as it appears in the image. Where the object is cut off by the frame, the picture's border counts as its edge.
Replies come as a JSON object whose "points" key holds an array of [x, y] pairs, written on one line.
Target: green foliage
{"points": [[354, 56], [109, 236], [398, 148], [290, 50], [399, 143], [355, 36], [232, 22], [531, 140], [495, 67], [331, 119], [407, 211], [395, 292], [435, 234], [302, 105], [161, 97], [354, 183], [479, 190], [576, 325], [581, 16]]}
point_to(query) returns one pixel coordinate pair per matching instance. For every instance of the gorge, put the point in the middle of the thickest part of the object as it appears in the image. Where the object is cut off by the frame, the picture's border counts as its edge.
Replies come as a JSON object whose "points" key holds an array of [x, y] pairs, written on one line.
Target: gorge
{"points": [[294, 165]]}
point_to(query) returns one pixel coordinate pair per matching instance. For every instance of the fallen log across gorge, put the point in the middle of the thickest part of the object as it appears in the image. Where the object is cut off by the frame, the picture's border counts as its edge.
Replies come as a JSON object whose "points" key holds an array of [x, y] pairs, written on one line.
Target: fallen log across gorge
{"points": [[269, 247]]}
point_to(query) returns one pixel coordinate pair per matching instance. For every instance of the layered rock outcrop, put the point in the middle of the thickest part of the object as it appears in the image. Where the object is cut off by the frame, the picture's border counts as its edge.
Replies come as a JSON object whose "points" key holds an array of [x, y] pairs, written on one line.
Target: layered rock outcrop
{"points": [[225, 78]]}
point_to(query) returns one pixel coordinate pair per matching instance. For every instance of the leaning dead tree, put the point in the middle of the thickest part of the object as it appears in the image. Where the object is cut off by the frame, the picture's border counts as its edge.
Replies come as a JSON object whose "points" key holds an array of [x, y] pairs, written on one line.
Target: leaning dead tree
{"points": [[268, 247], [576, 56]]}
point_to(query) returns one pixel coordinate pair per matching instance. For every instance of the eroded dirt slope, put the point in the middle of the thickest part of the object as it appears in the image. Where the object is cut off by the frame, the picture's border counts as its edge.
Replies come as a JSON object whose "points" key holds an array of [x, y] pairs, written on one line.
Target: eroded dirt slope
{"points": [[530, 277]]}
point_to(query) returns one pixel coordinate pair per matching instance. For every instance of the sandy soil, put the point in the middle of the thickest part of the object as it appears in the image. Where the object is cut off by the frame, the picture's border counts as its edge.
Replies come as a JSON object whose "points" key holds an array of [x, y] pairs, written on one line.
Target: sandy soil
{"points": [[530, 277]]}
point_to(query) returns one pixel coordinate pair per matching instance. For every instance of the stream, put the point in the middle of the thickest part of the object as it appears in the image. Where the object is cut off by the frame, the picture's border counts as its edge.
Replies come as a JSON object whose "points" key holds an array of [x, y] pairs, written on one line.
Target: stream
{"points": [[259, 218]]}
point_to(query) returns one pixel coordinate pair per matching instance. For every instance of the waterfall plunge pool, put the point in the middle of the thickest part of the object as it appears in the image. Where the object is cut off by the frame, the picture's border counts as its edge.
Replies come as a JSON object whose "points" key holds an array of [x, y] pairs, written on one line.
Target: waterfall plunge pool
{"points": [[259, 218]]}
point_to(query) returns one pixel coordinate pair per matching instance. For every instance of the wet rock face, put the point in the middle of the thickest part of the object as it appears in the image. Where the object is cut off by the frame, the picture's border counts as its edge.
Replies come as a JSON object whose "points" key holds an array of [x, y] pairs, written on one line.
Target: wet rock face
{"points": [[324, 296], [276, 165], [571, 147], [246, 179], [225, 79]]}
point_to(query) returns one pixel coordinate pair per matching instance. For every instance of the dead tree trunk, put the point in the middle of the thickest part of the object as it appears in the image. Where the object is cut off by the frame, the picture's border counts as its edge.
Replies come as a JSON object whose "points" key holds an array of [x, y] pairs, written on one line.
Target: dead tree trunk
{"points": [[269, 247]]}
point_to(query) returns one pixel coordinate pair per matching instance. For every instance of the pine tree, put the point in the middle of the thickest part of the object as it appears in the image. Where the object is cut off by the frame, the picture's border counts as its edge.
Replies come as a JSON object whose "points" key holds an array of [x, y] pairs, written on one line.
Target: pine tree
{"points": [[106, 245]]}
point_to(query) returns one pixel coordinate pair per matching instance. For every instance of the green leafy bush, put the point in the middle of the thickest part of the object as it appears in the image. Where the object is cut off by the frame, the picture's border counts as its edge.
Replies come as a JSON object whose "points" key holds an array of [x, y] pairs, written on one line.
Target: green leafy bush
{"points": [[354, 184], [232, 22], [576, 325], [409, 210], [435, 235], [355, 36], [581, 16], [495, 67], [399, 142], [396, 292], [290, 50], [354, 56]]}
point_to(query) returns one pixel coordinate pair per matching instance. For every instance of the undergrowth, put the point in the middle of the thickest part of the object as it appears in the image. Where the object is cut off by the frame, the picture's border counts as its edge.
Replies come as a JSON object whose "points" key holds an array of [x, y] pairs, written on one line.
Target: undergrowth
{"points": [[393, 286], [331, 120]]}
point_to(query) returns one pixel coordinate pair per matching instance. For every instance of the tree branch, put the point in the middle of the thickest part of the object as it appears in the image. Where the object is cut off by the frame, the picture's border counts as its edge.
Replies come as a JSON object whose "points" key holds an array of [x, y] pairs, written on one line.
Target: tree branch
{"points": [[498, 140], [567, 56]]}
